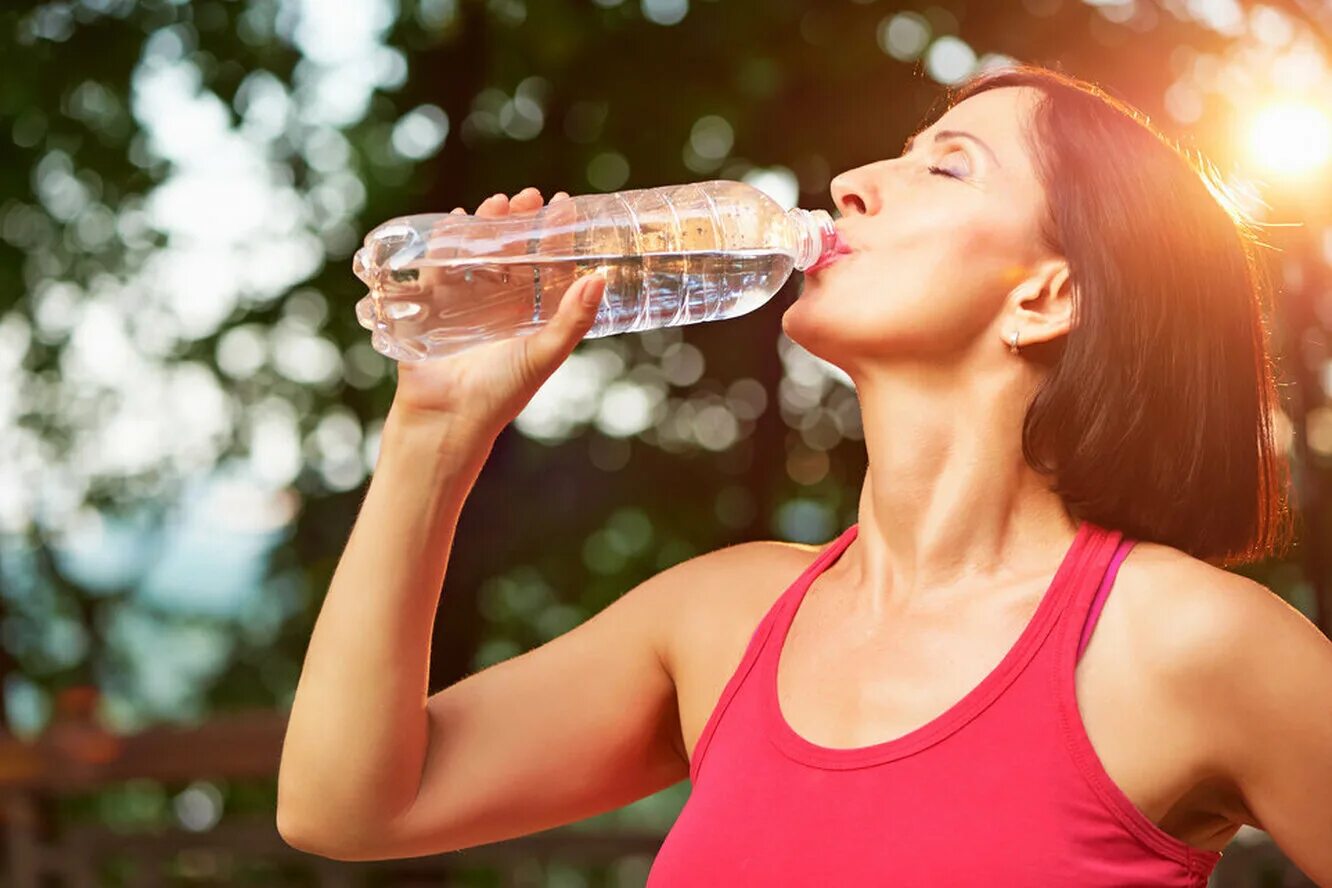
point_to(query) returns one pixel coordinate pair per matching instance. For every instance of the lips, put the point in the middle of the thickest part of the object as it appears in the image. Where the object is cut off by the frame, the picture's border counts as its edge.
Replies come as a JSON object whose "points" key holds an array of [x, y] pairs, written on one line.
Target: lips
{"points": [[839, 249]]}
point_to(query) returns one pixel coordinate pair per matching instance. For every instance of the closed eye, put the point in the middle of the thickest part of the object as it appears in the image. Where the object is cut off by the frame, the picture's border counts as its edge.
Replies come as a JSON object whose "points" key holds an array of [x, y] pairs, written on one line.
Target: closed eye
{"points": [[958, 168]]}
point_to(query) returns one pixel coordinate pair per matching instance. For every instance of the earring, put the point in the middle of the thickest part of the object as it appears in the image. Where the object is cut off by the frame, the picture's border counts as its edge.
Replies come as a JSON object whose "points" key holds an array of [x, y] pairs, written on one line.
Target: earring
{"points": [[1013, 346]]}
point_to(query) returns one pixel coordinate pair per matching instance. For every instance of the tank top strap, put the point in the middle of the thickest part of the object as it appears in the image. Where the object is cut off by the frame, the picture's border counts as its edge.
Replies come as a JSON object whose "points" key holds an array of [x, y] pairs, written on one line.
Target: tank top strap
{"points": [[1104, 552], [830, 553], [1091, 566], [1103, 592]]}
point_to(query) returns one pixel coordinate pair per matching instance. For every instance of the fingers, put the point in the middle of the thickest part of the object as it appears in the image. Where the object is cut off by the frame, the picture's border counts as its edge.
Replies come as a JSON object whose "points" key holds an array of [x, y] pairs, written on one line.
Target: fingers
{"points": [[495, 205], [526, 200], [499, 204], [574, 316], [578, 307]]}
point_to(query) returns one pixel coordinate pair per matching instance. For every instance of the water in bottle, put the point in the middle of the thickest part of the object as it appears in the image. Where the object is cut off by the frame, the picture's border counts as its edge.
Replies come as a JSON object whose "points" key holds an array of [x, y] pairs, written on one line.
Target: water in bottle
{"points": [[684, 254]]}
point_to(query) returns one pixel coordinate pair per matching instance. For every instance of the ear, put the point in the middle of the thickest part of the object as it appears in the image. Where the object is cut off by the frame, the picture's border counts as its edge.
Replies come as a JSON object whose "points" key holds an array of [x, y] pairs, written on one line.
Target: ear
{"points": [[1040, 308]]}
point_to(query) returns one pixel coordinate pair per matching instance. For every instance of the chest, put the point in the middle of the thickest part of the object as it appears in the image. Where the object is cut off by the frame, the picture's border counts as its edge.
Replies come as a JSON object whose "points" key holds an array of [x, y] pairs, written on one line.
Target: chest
{"points": [[849, 678]]}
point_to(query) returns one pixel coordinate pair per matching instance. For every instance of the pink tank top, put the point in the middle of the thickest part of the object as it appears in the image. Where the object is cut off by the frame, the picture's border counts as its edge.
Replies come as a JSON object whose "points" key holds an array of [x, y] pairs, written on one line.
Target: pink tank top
{"points": [[1002, 789]]}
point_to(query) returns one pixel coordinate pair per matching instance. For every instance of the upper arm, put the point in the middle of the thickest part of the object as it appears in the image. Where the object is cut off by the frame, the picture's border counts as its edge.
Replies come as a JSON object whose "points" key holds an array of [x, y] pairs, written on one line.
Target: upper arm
{"points": [[585, 723], [1268, 683]]}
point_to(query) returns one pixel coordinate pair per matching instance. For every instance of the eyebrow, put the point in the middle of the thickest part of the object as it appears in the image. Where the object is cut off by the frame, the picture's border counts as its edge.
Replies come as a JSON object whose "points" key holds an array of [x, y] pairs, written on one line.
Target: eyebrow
{"points": [[955, 134]]}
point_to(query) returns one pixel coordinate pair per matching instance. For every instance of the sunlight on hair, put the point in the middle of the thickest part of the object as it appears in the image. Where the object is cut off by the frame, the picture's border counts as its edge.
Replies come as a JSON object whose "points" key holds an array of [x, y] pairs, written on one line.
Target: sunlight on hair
{"points": [[1239, 197], [1291, 139]]}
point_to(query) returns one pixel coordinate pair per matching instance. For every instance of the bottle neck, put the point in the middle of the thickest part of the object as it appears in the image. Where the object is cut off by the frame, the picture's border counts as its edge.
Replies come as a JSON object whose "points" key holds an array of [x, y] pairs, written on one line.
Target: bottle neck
{"points": [[815, 235]]}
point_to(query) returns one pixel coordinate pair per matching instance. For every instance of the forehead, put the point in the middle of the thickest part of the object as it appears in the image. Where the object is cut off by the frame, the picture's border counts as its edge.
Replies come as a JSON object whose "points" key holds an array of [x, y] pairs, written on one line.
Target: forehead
{"points": [[999, 116]]}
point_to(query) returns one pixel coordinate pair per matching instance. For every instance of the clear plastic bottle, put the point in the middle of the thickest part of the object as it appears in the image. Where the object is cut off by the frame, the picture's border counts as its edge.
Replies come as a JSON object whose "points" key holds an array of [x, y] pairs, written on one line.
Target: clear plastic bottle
{"points": [[682, 254]]}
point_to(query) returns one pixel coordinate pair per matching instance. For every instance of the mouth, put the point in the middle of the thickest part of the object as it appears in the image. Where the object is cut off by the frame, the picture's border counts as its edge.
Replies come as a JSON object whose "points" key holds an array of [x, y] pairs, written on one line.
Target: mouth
{"points": [[839, 249]]}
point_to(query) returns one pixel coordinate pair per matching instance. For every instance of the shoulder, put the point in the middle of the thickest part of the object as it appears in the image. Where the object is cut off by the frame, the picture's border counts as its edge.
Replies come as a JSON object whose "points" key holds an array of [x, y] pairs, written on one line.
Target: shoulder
{"points": [[1195, 623], [738, 576], [1254, 675], [1239, 659], [1202, 621], [721, 595], [740, 561]]}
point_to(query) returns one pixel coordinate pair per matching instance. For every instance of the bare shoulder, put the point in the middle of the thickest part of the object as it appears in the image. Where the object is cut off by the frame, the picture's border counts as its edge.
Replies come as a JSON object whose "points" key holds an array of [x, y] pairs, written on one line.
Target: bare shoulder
{"points": [[1229, 655], [719, 599], [1198, 621], [725, 592], [1254, 674]]}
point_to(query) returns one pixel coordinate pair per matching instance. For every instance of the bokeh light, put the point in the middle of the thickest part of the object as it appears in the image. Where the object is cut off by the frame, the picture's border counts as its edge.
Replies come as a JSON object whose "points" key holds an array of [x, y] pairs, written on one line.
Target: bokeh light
{"points": [[1291, 139], [191, 412]]}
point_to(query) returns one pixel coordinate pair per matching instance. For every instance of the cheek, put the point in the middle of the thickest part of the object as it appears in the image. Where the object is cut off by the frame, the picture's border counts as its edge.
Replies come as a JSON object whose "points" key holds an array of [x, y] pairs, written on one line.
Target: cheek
{"points": [[933, 265], [969, 263], [918, 289]]}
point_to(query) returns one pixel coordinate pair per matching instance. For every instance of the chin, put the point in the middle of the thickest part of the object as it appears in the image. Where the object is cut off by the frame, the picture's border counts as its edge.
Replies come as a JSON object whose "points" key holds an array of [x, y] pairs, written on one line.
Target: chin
{"points": [[810, 325]]}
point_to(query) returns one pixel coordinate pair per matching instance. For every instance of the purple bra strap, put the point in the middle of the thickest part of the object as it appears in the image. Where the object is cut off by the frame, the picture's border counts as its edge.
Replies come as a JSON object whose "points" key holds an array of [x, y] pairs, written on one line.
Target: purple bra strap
{"points": [[1098, 601]]}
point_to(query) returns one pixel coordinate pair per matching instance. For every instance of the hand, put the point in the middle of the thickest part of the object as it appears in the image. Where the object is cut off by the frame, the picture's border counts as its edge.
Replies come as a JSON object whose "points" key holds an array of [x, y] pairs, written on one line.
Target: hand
{"points": [[487, 385]]}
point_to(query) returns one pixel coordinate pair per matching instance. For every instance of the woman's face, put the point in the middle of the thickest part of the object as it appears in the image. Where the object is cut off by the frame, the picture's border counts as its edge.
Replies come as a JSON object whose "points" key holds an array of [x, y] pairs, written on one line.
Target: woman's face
{"points": [[940, 238]]}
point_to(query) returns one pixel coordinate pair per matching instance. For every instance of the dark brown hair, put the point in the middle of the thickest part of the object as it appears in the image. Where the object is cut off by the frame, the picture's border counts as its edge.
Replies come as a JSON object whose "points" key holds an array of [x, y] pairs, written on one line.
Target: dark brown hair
{"points": [[1156, 416]]}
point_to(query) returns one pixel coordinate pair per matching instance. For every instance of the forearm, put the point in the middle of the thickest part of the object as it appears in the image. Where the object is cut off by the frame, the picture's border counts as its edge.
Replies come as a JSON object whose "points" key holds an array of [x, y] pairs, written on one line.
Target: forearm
{"points": [[356, 738]]}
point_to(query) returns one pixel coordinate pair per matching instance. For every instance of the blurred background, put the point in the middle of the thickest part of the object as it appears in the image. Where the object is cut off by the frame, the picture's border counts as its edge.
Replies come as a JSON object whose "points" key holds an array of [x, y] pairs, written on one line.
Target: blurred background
{"points": [[189, 410]]}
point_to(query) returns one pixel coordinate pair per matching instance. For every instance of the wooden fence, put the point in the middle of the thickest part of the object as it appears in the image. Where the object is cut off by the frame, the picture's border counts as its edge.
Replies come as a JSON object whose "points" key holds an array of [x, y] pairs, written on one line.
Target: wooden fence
{"points": [[74, 756]]}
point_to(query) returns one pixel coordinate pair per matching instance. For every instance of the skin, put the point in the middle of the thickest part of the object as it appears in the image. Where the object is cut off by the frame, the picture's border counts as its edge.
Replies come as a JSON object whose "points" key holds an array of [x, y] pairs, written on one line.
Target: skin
{"points": [[1204, 695], [920, 315], [959, 536]]}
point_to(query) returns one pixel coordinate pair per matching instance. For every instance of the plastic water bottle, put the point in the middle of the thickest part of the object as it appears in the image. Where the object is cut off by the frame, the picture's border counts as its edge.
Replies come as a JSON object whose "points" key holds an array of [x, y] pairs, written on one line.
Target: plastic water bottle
{"points": [[682, 254]]}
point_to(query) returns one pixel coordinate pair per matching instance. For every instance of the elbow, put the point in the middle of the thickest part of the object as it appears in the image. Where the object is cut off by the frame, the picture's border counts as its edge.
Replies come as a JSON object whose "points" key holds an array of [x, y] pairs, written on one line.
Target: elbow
{"points": [[298, 835], [310, 838], [313, 817], [294, 827], [301, 823], [304, 836]]}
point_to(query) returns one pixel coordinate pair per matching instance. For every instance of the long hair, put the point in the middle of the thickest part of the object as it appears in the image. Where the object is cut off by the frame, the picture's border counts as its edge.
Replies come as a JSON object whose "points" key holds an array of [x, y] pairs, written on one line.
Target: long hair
{"points": [[1156, 415]]}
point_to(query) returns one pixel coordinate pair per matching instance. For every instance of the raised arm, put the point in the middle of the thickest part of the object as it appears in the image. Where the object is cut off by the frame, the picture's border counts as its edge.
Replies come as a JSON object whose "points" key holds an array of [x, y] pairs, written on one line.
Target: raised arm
{"points": [[372, 767]]}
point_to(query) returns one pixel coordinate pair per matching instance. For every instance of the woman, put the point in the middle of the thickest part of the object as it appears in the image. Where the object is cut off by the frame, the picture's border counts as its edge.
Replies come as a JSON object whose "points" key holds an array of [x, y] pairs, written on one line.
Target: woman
{"points": [[1053, 324]]}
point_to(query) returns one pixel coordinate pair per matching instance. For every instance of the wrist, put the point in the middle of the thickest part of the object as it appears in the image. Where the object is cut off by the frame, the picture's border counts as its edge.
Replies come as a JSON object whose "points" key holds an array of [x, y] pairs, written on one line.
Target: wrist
{"points": [[453, 437]]}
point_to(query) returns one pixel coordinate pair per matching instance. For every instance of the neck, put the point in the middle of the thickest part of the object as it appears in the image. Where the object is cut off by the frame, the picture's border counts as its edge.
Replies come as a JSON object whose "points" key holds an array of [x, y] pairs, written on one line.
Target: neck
{"points": [[948, 501]]}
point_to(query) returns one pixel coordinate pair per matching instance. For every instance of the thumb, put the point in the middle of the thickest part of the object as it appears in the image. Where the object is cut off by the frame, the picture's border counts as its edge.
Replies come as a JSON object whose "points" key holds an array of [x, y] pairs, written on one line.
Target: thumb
{"points": [[573, 318]]}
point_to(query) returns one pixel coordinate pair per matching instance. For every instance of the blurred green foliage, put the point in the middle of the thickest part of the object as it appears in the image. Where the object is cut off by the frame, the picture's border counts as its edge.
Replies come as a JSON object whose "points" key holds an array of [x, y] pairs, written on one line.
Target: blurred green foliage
{"points": [[182, 185]]}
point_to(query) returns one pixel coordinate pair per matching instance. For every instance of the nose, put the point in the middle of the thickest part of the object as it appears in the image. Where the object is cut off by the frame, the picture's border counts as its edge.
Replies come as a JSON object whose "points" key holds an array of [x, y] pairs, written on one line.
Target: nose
{"points": [[853, 193]]}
